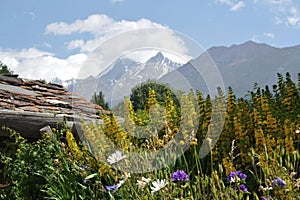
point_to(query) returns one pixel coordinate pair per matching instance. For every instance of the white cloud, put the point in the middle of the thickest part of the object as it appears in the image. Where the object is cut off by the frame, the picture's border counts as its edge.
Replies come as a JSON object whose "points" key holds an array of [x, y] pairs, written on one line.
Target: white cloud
{"points": [[141, 40], [285, 11], [293, 20], [254, 38], [94, 24], [101, 27], [103, 33], [98, 25], [294, 16], [35, 64], [262, 37], [234, 5], [237, 6], [269, 35], [117, 37], [74, 44]]}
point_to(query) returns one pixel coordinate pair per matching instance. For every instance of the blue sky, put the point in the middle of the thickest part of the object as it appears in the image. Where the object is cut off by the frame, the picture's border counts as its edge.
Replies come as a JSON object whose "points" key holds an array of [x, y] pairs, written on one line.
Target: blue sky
{"points": [[47, 39]]}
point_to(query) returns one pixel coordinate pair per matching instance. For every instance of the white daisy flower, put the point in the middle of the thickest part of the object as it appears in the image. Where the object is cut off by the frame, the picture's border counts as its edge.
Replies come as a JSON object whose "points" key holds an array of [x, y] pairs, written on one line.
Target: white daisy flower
{"points": [[142, 183], [121, 182], [158, 185], [115, 157]]}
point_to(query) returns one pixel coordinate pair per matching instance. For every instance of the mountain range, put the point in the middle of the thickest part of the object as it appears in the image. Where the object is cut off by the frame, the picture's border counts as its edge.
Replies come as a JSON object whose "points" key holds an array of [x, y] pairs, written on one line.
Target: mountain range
{"points": [[238, 66], [117, 79]]}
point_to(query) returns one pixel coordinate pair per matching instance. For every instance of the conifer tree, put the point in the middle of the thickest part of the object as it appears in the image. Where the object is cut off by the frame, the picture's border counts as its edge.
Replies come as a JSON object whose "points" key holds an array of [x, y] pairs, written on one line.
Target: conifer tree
{"points": [[99, 100], [4, 69]]}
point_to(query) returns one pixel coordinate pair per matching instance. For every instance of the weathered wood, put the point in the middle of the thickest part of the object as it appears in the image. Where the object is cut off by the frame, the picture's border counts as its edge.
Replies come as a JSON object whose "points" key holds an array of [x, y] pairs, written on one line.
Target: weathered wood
{"points": [[27, 123], [29, 105]]}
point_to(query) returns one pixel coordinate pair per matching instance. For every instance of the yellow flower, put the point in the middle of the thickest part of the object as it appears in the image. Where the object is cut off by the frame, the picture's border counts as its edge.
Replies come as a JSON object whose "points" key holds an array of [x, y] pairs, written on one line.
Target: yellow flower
{"points": [[19, 151], [194, 141]]}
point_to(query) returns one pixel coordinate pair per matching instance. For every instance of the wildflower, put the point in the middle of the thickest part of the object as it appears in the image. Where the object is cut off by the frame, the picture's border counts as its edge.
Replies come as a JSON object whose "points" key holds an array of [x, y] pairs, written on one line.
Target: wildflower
{"points": [[127, 175], [158, 185], [236, 176], [84, 180], [121, 182], [297, 131], [194, 141], [56, 161], [263, 189], [279, 182], [180, 175], [293, 174], [243, 188], [142, 183], [84, 167], [111, 187], [115, 157]]}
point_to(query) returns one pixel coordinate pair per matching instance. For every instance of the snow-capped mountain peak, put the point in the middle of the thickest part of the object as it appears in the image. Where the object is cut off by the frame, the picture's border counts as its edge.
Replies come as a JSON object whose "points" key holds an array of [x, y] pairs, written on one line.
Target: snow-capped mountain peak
{"points": [[158, 58]]}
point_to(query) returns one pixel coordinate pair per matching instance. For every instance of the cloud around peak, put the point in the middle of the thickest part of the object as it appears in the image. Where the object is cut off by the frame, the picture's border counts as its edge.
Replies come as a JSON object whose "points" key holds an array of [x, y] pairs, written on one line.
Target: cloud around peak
{"points": [[83, 37]]}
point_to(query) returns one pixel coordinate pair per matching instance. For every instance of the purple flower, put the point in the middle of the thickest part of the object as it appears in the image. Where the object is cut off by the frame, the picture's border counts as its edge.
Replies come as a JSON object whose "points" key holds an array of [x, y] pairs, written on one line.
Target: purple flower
{"points": [[111, 188], [235, 176], [230, 177], [279, 182], [241, 175], [84, 166], [180, 175], [243, 188], [84, 180]]}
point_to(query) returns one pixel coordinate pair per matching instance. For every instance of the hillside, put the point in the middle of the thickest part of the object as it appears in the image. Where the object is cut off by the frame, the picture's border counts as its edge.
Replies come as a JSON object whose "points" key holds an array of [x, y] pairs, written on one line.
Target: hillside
{"points": [[243, 65]]}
